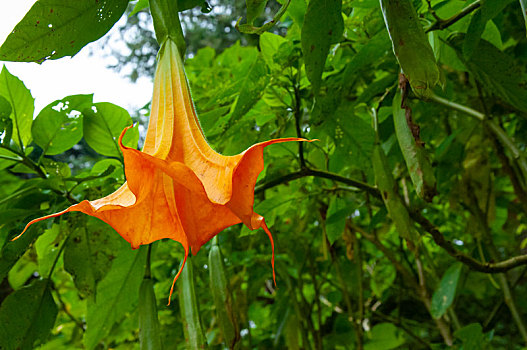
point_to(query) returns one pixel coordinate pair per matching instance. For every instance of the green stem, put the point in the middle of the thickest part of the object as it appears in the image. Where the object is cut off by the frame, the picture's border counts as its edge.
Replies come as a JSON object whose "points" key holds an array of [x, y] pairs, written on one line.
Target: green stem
{"points": [[249, 29]]}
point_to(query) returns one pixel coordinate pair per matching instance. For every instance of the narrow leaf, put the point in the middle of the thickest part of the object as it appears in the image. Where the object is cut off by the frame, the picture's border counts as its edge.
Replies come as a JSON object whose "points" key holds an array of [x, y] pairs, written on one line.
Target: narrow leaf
{"points": [[323, 26], [445, 293], [336, 218]]}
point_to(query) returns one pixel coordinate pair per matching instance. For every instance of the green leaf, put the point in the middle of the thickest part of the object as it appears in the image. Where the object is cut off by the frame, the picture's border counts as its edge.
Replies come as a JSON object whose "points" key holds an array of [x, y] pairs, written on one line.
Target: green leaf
{"points": [[251, 88], [117, 294], [12, 251], [384, 336], [445, 293], [103, 124], [27, 316], [47, 247], [497, 72], [254, 9], [139, 6], [53, 28], [323, 26], [472, 337], [487, 11], [16, 93], [269, 44], [338, 211], [5, 110], [89, 252], [58, 127]]}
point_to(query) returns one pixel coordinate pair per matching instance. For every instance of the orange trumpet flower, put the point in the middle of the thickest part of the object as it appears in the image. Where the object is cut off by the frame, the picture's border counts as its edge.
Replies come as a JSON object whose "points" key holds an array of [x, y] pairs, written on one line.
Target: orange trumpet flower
{"points": [[178, 187]]}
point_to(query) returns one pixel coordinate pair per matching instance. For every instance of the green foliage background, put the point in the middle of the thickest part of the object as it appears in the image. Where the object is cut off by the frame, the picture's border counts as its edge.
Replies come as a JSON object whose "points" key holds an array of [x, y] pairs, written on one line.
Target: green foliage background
{"points": [[346, 278]]}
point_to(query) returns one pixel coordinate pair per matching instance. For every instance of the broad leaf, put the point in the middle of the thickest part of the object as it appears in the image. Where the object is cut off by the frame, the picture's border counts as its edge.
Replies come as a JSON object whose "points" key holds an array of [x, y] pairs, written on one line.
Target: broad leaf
{"points": [[117, 294], [55, 28], [445, 293], [27, 316], [254, 9], [22, 103], [497, 72], [12, 251], [472, 337], [89, 253], [323, 26], [251, 88], [58, 127], [384, 336], [103, 124], [488, 10], [47, 247]]}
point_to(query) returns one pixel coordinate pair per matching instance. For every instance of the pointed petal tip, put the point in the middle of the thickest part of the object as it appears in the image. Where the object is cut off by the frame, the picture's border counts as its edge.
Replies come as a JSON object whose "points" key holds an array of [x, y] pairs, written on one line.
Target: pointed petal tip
{"points": [[177, 276]]}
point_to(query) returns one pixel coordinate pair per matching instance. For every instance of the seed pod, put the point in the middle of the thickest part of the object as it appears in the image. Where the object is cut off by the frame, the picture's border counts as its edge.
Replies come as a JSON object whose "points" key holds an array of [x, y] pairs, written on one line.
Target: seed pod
{"points": [[419, 167], [411, 46], [222, 296], [392, 201], [149, 335], [189, 309]]}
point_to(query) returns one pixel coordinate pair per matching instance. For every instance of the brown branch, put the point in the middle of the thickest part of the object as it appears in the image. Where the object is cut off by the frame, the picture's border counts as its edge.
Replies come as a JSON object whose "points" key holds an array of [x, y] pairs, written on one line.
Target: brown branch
{"points": [[317, 173], [486, 267]]}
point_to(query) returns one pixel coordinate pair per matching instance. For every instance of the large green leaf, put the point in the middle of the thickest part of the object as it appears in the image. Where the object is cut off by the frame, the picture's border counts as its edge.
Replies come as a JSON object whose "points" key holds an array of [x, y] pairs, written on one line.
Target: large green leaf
{"points": [[58, 126], [497, 72], [56, 28], [251, 88], [27, 316], [487, 11], [117, 294], [445, 293], [254, 9], [22, 103], [12, 251], [89, 253], [323, 26], [103, 123]]}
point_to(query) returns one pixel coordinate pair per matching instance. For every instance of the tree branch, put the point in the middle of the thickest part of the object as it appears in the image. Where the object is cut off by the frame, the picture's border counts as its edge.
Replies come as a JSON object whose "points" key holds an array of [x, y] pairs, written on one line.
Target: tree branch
{"points": [[442, 24], [472, 263], [317, 173]]}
